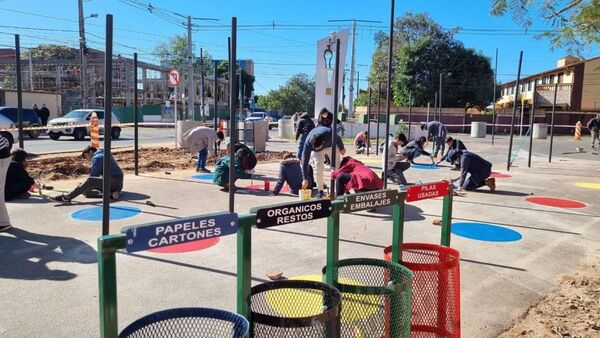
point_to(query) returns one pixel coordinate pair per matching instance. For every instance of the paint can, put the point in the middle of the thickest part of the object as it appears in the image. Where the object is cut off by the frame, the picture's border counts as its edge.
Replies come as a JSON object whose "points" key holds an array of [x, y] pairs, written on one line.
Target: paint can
{"points": [[267, 185], [304, 194]]}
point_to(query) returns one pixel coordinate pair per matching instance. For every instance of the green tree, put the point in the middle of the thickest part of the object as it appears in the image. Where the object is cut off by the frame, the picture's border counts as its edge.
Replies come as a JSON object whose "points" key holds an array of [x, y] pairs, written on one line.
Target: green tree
{"points": [[174, 54], [296, 95], [422, 51], [50, 52], [575, 23]]}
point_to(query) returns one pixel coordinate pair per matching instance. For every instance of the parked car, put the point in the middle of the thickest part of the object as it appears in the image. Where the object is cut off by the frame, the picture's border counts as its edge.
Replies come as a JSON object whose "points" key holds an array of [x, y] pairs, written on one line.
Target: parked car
{"points": [[260, 117], [6, 123], [30, 119], [276, 115], [67, 125]]}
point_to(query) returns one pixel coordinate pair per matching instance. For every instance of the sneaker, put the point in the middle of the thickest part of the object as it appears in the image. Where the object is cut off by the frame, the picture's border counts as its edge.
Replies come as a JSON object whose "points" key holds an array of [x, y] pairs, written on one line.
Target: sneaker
{"points": [[491, 183], [60, 199], [5, 228], [203, 170]]}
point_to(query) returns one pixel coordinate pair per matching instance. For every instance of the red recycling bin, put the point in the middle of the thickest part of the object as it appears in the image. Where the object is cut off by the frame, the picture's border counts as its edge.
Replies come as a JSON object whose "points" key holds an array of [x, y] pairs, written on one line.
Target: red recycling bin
{"points": [[436, 288]]}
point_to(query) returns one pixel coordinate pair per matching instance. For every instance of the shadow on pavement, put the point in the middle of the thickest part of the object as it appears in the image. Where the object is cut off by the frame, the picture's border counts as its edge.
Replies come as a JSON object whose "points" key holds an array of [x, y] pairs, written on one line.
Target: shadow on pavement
{"points": [[492, 264], [503, 192], [324, 237], [25, 255], [411, 213]]}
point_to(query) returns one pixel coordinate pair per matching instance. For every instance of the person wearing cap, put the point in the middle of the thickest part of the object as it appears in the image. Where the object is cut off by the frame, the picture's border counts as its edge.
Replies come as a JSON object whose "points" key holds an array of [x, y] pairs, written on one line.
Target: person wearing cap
{"points": [[438, 131], [594, 127], [93, 185], [305, 125], [317, 146], [479, 170], [453, 144], [18, 180]]}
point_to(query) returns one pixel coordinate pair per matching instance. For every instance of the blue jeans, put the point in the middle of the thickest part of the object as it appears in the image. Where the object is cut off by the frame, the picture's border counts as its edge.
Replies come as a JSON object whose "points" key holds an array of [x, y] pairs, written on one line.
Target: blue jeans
{"points": [[202, 155], [301, 145]]}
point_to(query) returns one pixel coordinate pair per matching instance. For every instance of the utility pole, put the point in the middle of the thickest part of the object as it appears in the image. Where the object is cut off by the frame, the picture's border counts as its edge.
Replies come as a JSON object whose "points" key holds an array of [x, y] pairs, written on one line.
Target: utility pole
{"points": [[202, 112], [352, 64], [83, 66], [30, 71], [190, 66]]}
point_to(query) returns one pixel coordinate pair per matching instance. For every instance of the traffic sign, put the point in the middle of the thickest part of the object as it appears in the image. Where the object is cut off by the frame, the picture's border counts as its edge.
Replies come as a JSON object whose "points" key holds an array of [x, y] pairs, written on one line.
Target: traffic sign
{"points": [[427, 190], [182, 230], [292, 213], [174, 77], [370, 200]]}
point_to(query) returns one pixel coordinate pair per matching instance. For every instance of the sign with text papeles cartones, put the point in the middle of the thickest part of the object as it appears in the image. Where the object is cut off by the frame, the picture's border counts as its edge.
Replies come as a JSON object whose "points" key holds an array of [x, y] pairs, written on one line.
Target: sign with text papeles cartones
{"points": [[182, 230], [370, 200], [288, 213]]}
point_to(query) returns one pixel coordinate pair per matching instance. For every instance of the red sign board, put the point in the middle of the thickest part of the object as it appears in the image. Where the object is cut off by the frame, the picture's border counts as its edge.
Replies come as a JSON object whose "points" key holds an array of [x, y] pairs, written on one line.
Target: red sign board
{"points": [[174, 77], [427, 190]]}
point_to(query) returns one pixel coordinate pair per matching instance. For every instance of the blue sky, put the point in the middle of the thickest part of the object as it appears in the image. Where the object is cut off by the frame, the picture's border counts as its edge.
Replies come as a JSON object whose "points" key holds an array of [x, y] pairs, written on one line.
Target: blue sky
{"points": [[278, 52]]}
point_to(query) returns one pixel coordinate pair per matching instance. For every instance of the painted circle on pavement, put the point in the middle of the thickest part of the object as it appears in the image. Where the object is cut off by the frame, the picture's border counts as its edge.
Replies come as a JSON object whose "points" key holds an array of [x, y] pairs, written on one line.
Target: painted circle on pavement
{"points": [[499, 175], [485, 232], [556, 202], [309, 304], [94, 214], [424, 166], [588, 185], [204, 177], [188, 247]]}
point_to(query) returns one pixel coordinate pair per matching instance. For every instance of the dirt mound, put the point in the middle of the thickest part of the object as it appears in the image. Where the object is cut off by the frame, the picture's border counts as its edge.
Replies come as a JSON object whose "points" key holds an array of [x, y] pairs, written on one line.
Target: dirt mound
{"points": [[61, 167]]}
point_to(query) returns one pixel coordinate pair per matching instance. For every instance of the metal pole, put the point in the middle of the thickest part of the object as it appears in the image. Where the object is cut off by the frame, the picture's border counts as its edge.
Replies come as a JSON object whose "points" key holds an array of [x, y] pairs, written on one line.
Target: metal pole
{"points": [[136, 118], [336, 98], [19, 90], [440, 99], [202, 110], [216, 106], [521, 123], [552, 123], [435, 106], [378, 112], [82, 59], [494, 100], [232, 109], [531, 120], [369, 120], [30, 71], [352, 69], [389, 94], [512, 123], [190, 64], [409, 112], [107, 125], [428, 103]]}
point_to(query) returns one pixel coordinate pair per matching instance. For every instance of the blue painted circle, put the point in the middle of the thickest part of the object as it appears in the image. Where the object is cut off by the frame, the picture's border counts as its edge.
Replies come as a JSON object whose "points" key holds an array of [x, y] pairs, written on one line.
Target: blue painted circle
{"points": [[485, 232], [203, 176], [95, 213], [424, 166]]}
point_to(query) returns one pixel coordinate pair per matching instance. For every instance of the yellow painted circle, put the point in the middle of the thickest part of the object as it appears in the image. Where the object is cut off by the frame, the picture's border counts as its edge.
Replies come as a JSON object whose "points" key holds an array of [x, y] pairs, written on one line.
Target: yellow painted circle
{"points": [[370, 161], [588, 185], [308, 304]]}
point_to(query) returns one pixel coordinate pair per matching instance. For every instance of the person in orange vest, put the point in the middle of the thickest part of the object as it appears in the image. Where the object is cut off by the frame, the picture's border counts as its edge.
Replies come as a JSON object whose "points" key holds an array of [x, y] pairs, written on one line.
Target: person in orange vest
{"points": [[594, 126]]}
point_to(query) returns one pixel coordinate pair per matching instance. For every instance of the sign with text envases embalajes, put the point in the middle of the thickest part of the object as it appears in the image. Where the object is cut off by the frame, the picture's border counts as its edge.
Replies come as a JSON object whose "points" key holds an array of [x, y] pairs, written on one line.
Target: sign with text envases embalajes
{"points": [[182, 230], [292, 212], [370, 200], [428, 190]]}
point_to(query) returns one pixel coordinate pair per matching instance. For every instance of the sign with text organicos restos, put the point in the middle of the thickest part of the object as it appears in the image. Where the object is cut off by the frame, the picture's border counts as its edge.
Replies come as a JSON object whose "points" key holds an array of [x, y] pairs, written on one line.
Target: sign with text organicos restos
{"points": [[292, 213]]}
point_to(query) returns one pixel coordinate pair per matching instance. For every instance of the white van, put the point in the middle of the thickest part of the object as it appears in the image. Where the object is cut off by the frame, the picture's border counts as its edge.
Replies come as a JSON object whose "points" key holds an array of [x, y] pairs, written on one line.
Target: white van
{"points": [[67, 125], [6, 123]]}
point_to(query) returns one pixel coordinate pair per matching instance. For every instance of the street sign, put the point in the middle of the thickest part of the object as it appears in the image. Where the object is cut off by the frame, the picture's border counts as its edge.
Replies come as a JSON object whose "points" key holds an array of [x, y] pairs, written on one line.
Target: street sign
{"points": [[427, 190], [174, 77], [182, 230], [370, 200], [292, 213]]}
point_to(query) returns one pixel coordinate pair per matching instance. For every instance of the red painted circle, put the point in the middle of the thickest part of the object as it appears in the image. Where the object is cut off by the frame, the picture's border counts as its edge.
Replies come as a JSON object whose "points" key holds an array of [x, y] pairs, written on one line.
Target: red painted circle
{"points": [[285, 188], [556, 202], [188, 247], [499, 175]]}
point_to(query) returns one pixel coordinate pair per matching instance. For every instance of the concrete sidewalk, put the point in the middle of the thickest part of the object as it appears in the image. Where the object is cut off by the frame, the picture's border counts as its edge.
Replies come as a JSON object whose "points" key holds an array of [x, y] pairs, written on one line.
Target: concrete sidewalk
{"points": [[49, 270]]}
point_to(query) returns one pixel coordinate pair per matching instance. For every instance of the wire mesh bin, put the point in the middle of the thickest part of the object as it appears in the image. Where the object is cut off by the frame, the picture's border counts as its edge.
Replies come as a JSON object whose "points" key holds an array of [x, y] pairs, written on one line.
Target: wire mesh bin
{"points": [[295, 308], [376, 298], [436, 288], [188, 322]]}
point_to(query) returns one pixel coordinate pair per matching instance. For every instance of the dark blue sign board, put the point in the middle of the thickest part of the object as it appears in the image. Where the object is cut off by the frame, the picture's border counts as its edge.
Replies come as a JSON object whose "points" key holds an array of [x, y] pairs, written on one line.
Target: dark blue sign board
{"points": [[178, 231]]}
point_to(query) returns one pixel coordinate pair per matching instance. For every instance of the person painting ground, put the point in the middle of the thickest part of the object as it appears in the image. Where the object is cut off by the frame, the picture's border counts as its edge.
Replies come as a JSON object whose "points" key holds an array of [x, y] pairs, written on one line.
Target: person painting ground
{"points": [[93, 185], [415, 149], [305, 125], [436, 130], [353, 175], [18, 180], [478, 169], [245, 161], [594, 127], [318, 145], [201, 140], [453, 144], [362, 142], [397, 163], [290, 172]]}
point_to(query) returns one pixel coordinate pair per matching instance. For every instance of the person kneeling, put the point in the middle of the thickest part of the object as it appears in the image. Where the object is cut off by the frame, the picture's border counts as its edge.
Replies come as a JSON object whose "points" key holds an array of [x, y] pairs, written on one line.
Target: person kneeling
{"points": [[93, 185], [290, 172], [245, 161], [354, 175], [18, 180], [478, 168]]}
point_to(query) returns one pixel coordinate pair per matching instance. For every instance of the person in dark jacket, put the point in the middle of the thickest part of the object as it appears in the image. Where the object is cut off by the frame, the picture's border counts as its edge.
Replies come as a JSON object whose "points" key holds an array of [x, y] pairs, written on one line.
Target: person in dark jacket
{"points": [[93, 185], [594, 127], [44, 114], [290, 172], [415, 149], [18, 180], [436, 130], [478, 168], [453, 144], [318, 144], [305, 125]]}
